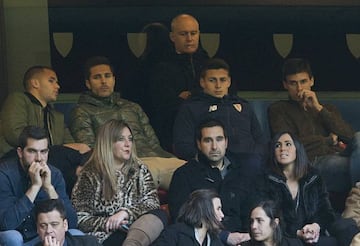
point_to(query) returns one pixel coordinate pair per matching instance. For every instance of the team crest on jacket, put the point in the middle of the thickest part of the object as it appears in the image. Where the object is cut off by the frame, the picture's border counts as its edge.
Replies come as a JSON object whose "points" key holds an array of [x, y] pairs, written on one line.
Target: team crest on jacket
{"points": [[238, 107], [212, 108]]}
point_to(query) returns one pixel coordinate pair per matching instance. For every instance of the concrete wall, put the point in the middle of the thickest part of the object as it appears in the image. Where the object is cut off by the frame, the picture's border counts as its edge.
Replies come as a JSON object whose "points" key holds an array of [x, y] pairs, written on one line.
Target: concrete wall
{"points": [[26, 32]]}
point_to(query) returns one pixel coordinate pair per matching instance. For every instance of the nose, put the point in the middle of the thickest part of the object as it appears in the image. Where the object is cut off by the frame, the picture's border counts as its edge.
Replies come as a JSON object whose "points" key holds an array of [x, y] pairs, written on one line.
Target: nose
{"points": [[298, 86], [189, 37], [57, 85], [218, 84], [38, 156], [214, 145], [253, 225]]}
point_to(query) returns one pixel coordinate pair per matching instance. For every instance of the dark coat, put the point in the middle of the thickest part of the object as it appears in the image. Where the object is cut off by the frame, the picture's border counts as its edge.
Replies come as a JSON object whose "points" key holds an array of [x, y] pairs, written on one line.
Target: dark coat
{"points": [[181, 72], [85, 240], [233, 190], [285, 242], [313, 194], [243, 129], [180, 234]]}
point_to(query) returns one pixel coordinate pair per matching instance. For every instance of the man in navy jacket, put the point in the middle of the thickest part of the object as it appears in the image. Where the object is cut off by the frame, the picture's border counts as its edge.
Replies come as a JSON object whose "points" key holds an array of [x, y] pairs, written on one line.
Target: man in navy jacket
{"points": [[23, 182]]}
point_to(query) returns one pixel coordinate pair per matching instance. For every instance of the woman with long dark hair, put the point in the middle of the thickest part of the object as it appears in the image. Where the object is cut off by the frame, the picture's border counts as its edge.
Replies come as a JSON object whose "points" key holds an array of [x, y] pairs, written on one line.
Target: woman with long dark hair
{"points": [[198, 223]]}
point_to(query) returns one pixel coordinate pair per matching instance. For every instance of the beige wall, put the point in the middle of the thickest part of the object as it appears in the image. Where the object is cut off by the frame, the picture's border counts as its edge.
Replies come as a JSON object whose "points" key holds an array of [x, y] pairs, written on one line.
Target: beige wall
{"points": [[26, 29]]}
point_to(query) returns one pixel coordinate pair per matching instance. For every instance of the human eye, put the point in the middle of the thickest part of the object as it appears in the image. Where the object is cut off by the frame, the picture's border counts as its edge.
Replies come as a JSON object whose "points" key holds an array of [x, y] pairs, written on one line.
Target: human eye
{"points": [[277, 145], [97, 76], [223, 79], [288, 144], [43, 226], [131, 138], [193, 33], [220, 138], [54, 224], [31, 151], [120, 139], [212, 80], [44, 151], [183, 33], [108, 75]]}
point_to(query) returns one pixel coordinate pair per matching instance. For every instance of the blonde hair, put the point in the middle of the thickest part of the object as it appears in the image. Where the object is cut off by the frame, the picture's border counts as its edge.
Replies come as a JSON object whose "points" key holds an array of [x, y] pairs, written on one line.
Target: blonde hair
{"points": [[102, 157]]}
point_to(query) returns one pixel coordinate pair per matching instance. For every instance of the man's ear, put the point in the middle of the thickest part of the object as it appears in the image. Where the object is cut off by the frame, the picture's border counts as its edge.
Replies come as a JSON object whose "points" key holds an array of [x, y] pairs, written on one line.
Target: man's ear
{"points": [[66, 225], [312, 80], [87, 83], [34, 83], [171, 36], [19, 152], [198, 144], [202, 82]]}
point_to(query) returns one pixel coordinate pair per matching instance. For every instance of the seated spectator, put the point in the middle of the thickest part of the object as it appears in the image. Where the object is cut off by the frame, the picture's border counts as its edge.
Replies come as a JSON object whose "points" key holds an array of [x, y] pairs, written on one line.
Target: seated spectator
{"points": [[320, 127], [244, 132], [33, 107], [213, 169], [199, 222], [300, 193], [52, 226], [177, 78], [101, 103], [24, 181], [115, 191], [265, 227]]}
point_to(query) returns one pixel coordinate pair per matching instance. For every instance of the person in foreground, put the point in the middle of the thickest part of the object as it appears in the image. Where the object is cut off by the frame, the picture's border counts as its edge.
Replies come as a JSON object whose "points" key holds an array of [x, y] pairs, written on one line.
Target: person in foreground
{"points": [[265, 227], [213, 169], [199, 221], [114, 189], [24, 181], [301, 194], [52, 226]]}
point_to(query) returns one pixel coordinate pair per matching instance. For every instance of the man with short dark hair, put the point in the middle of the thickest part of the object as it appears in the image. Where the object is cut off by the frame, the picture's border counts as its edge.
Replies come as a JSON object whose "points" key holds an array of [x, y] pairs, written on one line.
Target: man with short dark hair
{"points": [[24, 181], [52, 226], [320, 127], [33, 107], [245, 134], [213, 169], [100, 104]]}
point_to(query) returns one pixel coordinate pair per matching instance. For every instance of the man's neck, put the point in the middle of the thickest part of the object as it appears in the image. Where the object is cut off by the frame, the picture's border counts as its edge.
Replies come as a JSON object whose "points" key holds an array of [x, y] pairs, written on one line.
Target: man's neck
{"points": [[38, 98]]}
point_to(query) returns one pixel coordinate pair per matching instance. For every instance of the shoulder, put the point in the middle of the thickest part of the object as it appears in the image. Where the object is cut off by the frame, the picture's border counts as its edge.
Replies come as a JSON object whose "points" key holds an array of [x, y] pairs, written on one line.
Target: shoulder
{"points": [[9, 165]]}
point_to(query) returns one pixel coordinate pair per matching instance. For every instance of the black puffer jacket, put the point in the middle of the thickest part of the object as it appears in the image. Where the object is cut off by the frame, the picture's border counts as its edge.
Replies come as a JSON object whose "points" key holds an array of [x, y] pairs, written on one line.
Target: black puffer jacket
{"points": [[313, 196]]}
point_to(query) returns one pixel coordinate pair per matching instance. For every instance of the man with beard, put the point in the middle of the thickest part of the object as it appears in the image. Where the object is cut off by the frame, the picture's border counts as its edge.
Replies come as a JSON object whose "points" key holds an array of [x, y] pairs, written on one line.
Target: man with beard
{"points": [[212, 169], [23, 182]]}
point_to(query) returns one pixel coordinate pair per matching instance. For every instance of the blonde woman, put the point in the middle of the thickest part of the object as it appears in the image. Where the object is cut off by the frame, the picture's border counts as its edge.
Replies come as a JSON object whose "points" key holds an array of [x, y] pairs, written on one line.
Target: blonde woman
{"points": [[115, 188]]}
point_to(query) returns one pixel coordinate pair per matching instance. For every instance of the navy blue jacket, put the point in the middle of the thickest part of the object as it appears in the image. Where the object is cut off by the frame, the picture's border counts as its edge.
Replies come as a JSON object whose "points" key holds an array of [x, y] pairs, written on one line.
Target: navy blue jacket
{"points": [[244, 132], [181, 234], [16, 210]]}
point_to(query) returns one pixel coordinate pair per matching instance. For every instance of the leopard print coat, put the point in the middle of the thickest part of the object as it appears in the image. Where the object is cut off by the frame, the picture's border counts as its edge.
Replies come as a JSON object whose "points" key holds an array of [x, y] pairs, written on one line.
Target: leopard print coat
{"points": [[136, 196]]}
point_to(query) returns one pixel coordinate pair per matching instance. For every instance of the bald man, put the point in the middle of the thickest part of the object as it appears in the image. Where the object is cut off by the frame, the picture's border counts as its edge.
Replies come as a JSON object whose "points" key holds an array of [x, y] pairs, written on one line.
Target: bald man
{"points": [[176, 79]]}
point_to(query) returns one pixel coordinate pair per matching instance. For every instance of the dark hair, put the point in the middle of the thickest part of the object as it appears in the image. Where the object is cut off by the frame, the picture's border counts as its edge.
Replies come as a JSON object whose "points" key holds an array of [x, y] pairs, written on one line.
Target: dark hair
{"points": [[49, 205], [296, 65], [158, 44], [33, 132], [214, 63], [94, 61], [208, 123], [301, 161], [199, 209], [31, 72], [272, 211]]}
